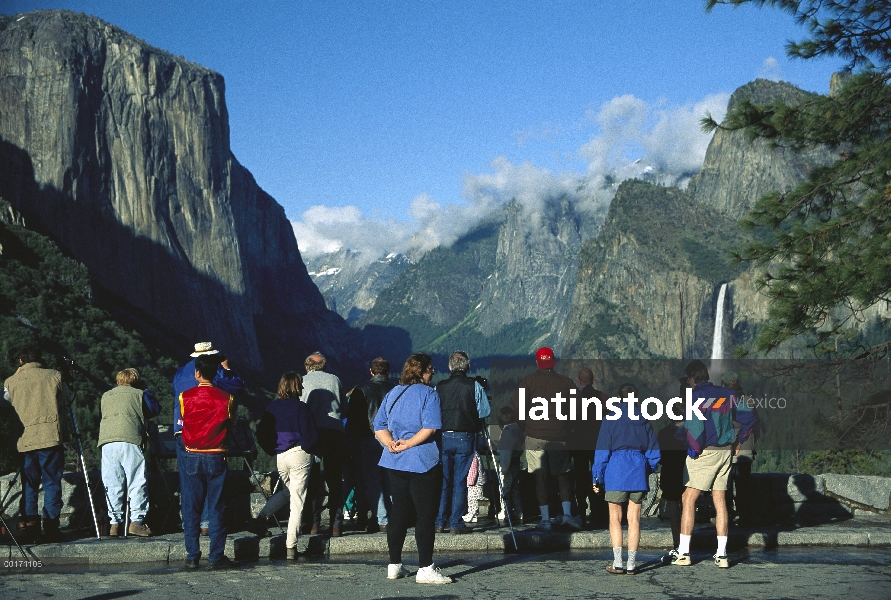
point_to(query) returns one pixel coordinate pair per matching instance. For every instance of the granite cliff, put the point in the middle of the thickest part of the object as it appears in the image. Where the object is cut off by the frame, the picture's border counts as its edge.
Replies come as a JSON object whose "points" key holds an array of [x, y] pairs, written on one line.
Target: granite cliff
{"points": [[120, 153], [504, 288]]}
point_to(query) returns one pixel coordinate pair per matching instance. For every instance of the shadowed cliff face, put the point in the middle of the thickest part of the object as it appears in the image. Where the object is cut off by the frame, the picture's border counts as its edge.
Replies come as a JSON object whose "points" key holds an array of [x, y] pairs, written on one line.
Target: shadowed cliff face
{"points": [[131, 172]]}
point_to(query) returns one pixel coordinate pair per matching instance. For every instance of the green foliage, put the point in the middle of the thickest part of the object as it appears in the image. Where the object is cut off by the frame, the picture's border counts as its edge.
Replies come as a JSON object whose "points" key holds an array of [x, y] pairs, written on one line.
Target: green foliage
{"points": [[827, 259], [847, 462], [46, 297], [855, 30]]}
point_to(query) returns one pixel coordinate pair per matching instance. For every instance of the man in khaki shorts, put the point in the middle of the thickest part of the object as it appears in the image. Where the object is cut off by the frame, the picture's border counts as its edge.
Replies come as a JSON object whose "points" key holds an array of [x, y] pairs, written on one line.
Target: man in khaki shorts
{"points": [[547, 447], [709, 452]]}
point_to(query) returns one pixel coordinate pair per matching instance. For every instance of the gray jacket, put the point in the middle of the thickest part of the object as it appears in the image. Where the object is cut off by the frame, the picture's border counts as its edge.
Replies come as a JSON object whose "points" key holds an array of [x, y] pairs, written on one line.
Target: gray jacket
{"points": [[321, 392]]}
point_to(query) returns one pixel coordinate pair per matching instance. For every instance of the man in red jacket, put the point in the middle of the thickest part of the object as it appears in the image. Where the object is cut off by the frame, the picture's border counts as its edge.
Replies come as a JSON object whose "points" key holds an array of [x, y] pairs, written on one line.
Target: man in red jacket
{"points": [[207, 413]]}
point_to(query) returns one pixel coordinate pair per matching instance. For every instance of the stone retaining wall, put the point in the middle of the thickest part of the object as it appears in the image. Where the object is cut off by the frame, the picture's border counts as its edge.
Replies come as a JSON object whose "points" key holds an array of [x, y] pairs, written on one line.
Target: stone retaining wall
{"points": [[778, 496], [808, 497]]}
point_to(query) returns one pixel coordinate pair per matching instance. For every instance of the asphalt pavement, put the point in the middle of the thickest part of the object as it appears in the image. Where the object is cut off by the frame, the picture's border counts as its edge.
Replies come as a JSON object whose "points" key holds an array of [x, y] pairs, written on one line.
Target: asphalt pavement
{"points": [[816, 572]]}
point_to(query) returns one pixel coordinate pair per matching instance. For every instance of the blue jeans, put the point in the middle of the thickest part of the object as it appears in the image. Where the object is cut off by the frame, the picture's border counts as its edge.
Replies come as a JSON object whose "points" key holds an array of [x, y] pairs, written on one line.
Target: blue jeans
{"points": [[201, 479], [180, 454], [457, 453], [374, 478], [43, 465]]}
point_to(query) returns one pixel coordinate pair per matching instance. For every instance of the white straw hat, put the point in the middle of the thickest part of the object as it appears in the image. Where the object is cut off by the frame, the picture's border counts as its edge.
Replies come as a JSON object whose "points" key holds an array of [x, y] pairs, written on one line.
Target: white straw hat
{"points": [[204, 348]]}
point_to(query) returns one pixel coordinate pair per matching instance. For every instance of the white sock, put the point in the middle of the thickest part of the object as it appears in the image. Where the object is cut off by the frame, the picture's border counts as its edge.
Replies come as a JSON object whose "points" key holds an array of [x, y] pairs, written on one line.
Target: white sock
{"points": [[632, 559], [684, 546], [545, 513], [567, 509], [617, 558], [722, 545]]}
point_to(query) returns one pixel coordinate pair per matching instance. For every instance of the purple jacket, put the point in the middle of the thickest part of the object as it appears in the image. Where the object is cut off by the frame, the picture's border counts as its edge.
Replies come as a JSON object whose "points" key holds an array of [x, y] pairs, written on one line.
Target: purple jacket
{"points": [[287, 422]]}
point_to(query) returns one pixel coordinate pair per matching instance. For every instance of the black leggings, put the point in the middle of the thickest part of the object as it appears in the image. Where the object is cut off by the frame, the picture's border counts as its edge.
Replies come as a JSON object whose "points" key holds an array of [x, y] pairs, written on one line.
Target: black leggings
{"points": [[422, 490]]}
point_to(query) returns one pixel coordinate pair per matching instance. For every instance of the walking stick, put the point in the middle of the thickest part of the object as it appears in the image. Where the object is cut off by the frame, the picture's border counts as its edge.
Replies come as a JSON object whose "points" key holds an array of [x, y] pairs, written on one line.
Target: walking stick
{"points": [[80, 451], [500, 485]]}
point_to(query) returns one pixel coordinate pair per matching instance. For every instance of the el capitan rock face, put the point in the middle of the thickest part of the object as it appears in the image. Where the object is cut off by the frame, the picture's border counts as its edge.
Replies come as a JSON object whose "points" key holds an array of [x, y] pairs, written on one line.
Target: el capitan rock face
{"points": [[120, 152]]}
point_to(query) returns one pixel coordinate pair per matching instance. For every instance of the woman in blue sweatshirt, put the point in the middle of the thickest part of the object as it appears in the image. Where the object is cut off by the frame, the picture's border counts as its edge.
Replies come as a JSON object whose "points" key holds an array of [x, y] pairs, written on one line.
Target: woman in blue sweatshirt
{"points": [[627, 452], [288, 430]]}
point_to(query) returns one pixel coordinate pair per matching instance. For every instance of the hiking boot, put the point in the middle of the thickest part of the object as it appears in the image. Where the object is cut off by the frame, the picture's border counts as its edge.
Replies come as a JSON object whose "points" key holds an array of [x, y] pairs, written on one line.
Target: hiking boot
{"points": [[190, 563], [51, 533], [569, 521], [397, 571], [224, 563], [115, 529], [431, 575], [544, 526], [461, 530], [373, 528], [205, 531], [440, 530], [382, 528], [28, 530], [721, 561], [291, 554], [681, 560], [259, 526], [139, 530], [666, 559]]}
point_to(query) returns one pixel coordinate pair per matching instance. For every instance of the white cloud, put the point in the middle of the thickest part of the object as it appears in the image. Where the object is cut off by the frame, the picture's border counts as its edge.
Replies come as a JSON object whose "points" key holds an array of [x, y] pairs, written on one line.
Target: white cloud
{"points": [[770, 69], [633, 138], [667, 138]]}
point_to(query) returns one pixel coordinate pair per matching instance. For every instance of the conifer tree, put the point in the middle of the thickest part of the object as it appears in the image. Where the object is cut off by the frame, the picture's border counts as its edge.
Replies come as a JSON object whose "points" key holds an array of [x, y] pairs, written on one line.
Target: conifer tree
{"points": [[827, 258]]}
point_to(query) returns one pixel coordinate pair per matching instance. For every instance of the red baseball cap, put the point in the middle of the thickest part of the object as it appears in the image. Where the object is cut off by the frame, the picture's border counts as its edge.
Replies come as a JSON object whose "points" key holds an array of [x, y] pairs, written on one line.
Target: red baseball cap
{"points": [[544, 358]]}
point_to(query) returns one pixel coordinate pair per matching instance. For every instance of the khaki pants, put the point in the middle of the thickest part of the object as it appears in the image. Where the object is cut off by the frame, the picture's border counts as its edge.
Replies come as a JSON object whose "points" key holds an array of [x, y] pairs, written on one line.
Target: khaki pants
{"points": [[293, 467]]}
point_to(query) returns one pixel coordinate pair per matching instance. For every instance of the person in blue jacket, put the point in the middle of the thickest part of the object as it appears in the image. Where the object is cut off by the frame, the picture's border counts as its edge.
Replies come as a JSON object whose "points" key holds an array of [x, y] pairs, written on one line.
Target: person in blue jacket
{"points": [[627, 452]]}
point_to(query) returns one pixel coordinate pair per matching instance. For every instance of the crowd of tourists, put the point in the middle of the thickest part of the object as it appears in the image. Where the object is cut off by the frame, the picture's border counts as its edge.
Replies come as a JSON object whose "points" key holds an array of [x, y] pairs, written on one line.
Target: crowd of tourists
{"points": [[404, 455]]}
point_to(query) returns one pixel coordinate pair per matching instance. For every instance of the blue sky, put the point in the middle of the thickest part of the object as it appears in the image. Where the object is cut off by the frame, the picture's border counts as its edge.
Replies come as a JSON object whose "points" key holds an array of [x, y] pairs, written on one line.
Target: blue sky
{"points": [[398, 119]]}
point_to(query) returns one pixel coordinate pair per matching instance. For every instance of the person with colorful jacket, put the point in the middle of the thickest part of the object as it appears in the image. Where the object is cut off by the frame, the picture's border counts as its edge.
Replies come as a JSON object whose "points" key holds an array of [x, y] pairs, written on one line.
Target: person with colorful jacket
{"points": [[226, 379], [627, 452], [709, 453], [288, 430], [207, 413], [122, 432]]}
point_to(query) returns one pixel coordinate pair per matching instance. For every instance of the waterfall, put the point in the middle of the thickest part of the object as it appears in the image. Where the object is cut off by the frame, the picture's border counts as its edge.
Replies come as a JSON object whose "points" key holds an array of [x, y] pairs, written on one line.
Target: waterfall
{"points": [[718, 337]]}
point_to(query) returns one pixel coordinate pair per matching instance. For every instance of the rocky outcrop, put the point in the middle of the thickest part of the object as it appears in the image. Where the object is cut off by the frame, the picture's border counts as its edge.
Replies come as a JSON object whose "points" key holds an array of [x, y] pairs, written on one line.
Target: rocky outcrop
{"points": [[647, 284], [120, 153], [350, 282], [536, 261], [738, 171]]}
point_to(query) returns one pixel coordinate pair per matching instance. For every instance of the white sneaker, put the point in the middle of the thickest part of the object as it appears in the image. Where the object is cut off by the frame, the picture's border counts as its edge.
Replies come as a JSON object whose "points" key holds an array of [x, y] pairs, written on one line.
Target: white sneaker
{"points": [[468, 518], [545, 526], [431, 575], [396, 571], [721, 561], [573, 522], [501, 516]]}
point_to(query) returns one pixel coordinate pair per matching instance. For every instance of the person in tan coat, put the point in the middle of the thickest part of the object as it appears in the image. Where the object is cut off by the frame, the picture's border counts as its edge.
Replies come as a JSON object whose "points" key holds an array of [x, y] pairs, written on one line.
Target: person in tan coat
{"points": [[39, 396]]}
